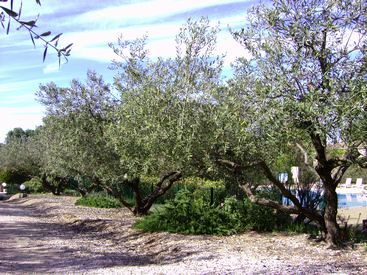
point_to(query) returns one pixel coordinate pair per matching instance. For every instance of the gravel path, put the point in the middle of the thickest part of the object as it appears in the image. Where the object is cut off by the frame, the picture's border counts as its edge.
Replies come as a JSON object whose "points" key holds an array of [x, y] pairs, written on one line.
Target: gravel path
{"points": [[49, 235]]}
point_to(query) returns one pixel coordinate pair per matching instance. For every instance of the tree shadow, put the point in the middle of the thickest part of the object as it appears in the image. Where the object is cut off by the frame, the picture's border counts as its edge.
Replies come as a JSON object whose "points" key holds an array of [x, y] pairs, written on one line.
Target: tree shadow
{"points": [[35, 246]]}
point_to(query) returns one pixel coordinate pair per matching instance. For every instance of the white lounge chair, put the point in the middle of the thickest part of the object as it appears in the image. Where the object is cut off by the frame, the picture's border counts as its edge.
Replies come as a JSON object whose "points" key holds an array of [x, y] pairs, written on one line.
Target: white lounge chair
{"points": [[359, 182], [348, 182]]}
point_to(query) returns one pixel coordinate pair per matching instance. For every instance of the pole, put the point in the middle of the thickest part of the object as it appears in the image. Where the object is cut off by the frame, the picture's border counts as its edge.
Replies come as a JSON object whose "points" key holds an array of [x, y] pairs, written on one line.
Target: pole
{"points": [[211, 196]]}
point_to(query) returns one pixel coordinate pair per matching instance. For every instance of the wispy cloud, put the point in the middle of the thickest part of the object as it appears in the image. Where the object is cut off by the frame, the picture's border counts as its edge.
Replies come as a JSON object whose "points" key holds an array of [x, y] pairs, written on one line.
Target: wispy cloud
{"points": [[91, 31], [142, 12], [29, 86], [51, 68], [26, 118], [91, 25], [17, 87], [16, 100], [92, 44]]}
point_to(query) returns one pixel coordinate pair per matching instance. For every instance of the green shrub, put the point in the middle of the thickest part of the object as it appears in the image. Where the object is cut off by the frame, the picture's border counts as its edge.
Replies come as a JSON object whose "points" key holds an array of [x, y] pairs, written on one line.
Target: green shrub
{"points": [[191, 214], [201, 188], [260, 218], [188, 214], [34, 186], [100, 200], [11, 188], [13, 178], [355, 234], [197, 182]]}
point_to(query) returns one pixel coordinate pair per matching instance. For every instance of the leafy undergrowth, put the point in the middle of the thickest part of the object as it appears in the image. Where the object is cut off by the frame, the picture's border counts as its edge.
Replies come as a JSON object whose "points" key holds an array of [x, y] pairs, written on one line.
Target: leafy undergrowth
{"points": [[356, 235], [99, 200], [192, 215]]}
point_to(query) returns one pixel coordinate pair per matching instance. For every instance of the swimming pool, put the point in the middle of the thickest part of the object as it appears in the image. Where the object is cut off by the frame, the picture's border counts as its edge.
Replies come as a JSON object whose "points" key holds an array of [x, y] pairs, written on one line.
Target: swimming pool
{"points": [[352, 200], [347, 197]]}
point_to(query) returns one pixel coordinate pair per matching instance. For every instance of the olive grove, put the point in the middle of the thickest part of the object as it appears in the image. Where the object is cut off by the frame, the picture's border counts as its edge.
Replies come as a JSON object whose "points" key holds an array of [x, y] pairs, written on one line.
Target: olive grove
{"points": [[155, 121], [301, 91]]}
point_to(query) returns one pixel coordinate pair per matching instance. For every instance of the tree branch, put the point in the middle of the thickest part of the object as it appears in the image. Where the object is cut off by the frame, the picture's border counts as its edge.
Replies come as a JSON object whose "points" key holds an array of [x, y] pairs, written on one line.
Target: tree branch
{"points": [[268, 174], [319, 147], [237, 167], [269, 203], [337, 176], [171, 177], [304, 152], [280, 185], [296, 209]]}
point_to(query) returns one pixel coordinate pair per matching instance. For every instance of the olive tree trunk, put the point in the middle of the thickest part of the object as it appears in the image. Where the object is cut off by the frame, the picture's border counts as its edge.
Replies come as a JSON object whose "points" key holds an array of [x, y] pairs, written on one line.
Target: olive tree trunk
{"points": [[327, 221], [142, 204]]}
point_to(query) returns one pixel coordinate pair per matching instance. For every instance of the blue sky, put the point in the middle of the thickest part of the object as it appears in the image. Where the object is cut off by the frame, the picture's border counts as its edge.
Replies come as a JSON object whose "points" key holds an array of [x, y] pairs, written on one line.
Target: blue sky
{"points": [[91, 25]]}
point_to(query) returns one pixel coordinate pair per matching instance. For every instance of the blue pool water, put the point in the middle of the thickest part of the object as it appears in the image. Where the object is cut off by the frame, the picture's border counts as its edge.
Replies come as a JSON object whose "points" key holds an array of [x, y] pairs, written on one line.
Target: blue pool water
{"points": [[352, 200], [344, 200]]}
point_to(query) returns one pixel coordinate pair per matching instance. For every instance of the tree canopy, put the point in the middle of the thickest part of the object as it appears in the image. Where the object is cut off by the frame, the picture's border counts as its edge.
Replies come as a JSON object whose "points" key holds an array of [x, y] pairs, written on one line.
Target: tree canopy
{"points": [[305, 84], [300, 94]]}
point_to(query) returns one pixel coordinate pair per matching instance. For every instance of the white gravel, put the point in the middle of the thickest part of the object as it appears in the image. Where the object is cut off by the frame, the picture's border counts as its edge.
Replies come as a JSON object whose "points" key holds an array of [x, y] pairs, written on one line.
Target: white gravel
{"points": [[49, 235]]}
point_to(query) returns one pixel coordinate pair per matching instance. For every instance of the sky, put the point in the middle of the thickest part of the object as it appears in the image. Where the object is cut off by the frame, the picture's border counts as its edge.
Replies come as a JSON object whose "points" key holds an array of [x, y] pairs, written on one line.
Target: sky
{"points": [[90, 25]]}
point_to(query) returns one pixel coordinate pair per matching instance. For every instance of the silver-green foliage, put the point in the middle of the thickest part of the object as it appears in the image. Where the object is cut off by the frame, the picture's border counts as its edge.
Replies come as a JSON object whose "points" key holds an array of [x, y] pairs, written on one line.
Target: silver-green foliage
{"points": [[303, 84], [74, 130], [164, 121], [309, 58], [160, 125]]}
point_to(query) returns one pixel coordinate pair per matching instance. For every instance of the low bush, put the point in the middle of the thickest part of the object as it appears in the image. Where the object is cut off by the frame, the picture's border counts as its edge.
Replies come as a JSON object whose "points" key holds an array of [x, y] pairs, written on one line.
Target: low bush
{"points": [[100, 200], [200, 186], [260, 218], [13, 176], [355, 234], [187, 214], [191, 214], [34, 186]]}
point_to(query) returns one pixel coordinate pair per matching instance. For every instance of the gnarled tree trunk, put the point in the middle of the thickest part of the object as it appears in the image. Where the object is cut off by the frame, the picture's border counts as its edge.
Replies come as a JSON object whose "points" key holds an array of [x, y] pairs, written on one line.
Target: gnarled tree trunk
{"points": [[327, 222], [143, 204], [324, 169], [330, 216]]}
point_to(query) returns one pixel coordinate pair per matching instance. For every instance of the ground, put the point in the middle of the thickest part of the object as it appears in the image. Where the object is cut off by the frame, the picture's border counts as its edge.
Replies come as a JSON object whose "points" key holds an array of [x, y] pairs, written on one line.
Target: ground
{"points": [[45, 234]]}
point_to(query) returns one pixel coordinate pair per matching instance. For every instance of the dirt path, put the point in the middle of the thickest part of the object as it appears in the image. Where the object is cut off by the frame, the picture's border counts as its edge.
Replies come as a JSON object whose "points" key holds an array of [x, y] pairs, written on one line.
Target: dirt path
{"points": [[49, 235], [40, 238], [28, 244]]}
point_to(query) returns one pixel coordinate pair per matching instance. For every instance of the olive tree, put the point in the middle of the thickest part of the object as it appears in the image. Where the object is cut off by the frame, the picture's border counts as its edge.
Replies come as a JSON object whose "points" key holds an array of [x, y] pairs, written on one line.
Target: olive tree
{"points": [[304, 85], [20, 156], [163, 123], [73, 132]]}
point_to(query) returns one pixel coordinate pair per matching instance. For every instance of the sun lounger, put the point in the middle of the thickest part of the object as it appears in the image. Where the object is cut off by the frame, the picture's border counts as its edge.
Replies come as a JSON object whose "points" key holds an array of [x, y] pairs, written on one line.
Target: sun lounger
{"points": [[348, 182], [359, 182]]}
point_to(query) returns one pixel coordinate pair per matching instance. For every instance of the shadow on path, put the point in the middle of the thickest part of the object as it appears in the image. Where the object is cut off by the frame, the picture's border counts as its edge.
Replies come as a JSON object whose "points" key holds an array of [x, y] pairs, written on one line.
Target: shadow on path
{"points": [[29, 244]]}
